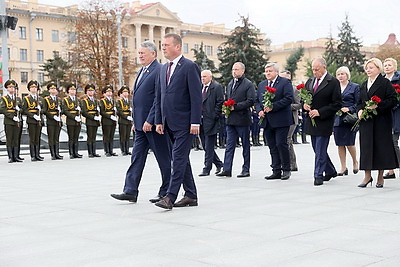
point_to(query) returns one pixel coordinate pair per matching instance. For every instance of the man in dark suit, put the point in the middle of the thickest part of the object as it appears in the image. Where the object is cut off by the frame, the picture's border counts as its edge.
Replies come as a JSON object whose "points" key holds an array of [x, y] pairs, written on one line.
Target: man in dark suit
{"points": [[213, 97], [178, 114], [278, 119], [241, 90], [143, 122], [327, 100]]}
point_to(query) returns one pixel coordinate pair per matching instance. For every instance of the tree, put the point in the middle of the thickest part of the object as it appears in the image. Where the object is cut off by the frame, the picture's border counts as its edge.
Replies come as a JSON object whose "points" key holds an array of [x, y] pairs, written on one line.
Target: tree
{"points": [[330, 51], [56, 70], [244, 45], [293, 59], [348, 50], [203, 61]]}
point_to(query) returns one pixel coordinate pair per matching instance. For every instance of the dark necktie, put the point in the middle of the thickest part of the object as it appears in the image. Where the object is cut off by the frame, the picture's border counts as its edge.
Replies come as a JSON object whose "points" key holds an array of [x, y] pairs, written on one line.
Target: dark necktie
{"points": [[270, 83], [143, 70], [204, 93], [169, 72], [316, 85], [234, 84]]}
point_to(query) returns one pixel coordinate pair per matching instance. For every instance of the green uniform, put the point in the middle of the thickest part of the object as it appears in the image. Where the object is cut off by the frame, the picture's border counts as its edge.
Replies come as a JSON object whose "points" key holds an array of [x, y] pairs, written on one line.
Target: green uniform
{"points": [[31, 107], [52, 110], [9, 106], [124, 112], [90, 110], [71, 110], [107, 110]]}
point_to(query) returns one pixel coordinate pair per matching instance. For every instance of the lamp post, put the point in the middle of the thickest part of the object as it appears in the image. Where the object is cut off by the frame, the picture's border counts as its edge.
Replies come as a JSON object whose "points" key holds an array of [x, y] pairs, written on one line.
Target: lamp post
{"points": [[3, 30], [118, 16]]}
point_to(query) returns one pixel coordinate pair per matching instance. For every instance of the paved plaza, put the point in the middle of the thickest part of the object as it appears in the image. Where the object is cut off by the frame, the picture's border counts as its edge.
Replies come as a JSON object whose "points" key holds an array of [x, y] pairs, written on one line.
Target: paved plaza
{"points": [[59, 213]]}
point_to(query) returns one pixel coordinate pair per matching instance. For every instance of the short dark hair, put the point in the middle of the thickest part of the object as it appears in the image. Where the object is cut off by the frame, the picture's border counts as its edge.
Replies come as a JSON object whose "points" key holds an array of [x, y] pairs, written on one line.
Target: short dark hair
{"points": [[69, 86], [177, 38]]}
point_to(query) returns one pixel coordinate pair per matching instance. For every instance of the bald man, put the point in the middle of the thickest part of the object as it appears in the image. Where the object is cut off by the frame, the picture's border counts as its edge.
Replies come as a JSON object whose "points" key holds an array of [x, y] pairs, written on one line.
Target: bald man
{"points": [[213, 97]]}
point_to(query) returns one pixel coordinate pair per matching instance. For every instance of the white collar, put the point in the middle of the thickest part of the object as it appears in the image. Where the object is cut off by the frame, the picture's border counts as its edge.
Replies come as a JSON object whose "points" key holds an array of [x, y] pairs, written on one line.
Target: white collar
{"points": [[176, 60]]}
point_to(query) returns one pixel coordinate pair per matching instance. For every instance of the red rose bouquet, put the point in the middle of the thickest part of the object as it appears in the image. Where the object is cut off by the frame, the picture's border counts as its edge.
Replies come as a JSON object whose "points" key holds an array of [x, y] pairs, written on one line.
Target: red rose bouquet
{"points": [[397, 88], [367, 112], [227, 106], [267, 101], [306, 97]]}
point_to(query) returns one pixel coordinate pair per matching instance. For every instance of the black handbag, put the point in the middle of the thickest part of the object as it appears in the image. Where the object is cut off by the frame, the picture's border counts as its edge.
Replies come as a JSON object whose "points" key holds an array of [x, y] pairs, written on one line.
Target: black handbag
{"points": [[350, 118]]}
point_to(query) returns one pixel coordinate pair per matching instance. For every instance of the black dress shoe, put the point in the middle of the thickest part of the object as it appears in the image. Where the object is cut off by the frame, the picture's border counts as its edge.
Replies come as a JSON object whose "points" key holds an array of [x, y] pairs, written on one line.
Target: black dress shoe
{"points": [[389, 176], [294, 169], [243, 174], [165, 203], [318, 181], [346, 172], [186, 202], [218, 170], [155, 199], [225, 173], [274, 176], [285, 175], [204, 173], [125, 196], [330, 176]]}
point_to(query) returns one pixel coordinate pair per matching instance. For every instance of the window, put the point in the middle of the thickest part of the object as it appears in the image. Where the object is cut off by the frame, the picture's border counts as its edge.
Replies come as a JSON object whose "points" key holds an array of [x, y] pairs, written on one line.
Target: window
{"points": [[209, 50], [39, 34], [71, 37], [22, 32], [24, 77], [185, 48], [23, 54], [55, 36], [125, 42], [196, 47], [41, 77], [40, 55]]}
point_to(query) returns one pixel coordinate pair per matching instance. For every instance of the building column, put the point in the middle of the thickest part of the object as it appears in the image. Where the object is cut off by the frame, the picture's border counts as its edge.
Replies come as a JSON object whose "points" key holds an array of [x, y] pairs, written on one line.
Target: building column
{"points": [[151, 33], [138, 27], [163, 31]]}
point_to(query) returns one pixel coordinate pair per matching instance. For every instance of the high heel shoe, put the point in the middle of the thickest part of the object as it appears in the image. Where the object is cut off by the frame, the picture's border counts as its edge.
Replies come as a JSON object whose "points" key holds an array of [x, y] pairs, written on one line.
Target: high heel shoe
{"points": [[365, 185], [346, 172], [355, 171], [378, 185]]}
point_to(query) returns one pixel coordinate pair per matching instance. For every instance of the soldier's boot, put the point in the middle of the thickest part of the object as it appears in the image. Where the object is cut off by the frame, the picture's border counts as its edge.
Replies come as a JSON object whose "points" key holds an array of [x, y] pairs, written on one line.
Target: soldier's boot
{"points": [[32, 152], [110, 149], [57, 151], [90, 150], [15, 153], [71, 151], [122, 146], [127, 148], [76, 149], [37, 153], [52, 152], [18, 151], [10, 154], [94, 151]]}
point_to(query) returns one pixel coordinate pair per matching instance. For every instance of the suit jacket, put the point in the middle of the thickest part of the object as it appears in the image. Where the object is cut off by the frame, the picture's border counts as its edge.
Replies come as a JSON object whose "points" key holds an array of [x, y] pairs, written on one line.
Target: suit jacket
{"points": [[106, 111], [123, 111], [296, 105], [396, 109], [52, 108], [350, 97], [212, 108], [7, 107], [179, 103], [244, 95], [70, 110], [327, 100], [144, 95], [90, 109], [281, 113], [31, 107]]}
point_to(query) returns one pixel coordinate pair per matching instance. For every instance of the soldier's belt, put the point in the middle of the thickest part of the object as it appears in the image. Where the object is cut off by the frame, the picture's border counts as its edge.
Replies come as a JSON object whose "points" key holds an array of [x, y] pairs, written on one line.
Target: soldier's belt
{"points": [[92, 112], [126, 113], [53, 112], [11, 110], [110, 112], [33, 110], [73, 111]]}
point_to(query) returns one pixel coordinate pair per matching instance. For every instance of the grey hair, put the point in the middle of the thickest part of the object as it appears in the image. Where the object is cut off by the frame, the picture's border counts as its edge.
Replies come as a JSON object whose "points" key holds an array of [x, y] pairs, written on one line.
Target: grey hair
{"points": [[241, 65], [150, 46], [321, 61], [273, 65]]}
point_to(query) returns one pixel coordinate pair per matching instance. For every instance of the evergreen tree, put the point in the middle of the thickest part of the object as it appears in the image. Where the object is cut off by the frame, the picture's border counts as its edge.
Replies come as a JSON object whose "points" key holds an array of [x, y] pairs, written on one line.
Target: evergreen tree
{"points": [[293, 59], [203, 61], [56, 70], [243, 45], [348, 50], [330, 51]]}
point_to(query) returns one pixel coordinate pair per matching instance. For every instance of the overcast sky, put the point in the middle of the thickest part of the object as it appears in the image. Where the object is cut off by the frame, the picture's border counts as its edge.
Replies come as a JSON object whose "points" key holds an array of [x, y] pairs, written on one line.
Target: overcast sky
{"points": [[290, 20]]}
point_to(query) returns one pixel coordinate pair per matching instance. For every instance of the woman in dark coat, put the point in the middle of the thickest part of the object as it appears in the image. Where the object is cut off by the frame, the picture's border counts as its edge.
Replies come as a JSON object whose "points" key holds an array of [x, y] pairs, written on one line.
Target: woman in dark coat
{"points": [[376, 144], [390, 69], [344, 136]]}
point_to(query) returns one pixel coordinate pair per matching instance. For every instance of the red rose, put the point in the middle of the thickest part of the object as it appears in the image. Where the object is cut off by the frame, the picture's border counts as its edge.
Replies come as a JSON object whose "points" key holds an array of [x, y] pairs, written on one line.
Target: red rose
{"points": [[270, 89], [229, 102], [376, 99], [300, 86], [398, 90], [396, 86]]}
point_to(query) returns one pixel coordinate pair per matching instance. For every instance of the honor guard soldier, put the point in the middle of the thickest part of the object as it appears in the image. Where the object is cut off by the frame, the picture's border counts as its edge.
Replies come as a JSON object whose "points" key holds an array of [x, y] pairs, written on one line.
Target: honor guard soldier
{"points": [[91, 112], [108, 120], [72, 110], [9, 106], [52, 111], [124, 112], [31, 107]]}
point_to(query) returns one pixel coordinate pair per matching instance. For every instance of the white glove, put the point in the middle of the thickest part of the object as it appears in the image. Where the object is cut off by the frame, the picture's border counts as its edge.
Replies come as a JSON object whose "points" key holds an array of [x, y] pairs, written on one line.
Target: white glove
{"points": [[78, 108], [56, 118], [58, 108], [115, 108], [96, 118], [16, 119], [129, 118], [39, 108], [17, 108], [131, 109], [36, 117], [78, 119], [113, 118], [98, 108]]}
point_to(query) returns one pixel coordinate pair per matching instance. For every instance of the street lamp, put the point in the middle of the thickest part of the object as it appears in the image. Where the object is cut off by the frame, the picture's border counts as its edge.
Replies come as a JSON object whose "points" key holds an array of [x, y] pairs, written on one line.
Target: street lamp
{"points": [[118, 15]]}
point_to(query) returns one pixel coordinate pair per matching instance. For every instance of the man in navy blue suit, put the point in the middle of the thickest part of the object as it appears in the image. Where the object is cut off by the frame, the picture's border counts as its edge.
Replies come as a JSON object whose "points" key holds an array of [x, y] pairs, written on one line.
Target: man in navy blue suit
{"points": [[277, 119], [178, 114], [145, 134]]}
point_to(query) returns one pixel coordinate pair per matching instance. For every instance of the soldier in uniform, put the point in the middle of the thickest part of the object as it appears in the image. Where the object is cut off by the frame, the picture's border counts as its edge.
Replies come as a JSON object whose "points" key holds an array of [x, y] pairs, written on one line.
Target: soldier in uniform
{"points": [[72, 110], [108, 120], [31, 107], [124, 112], [9, 106], [21, 122], [52, 111], [90, 110]]}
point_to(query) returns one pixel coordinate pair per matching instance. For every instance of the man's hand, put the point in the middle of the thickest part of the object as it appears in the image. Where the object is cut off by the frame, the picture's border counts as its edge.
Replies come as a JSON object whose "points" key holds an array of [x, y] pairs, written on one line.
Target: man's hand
{"points": [[159, 128], [195, 130], [372, 107], [267, 109], [359, 113], [345, 109], [306, 107], [147, 127], [261, 114], [112, 117], [314, 113], [133, 128]]}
